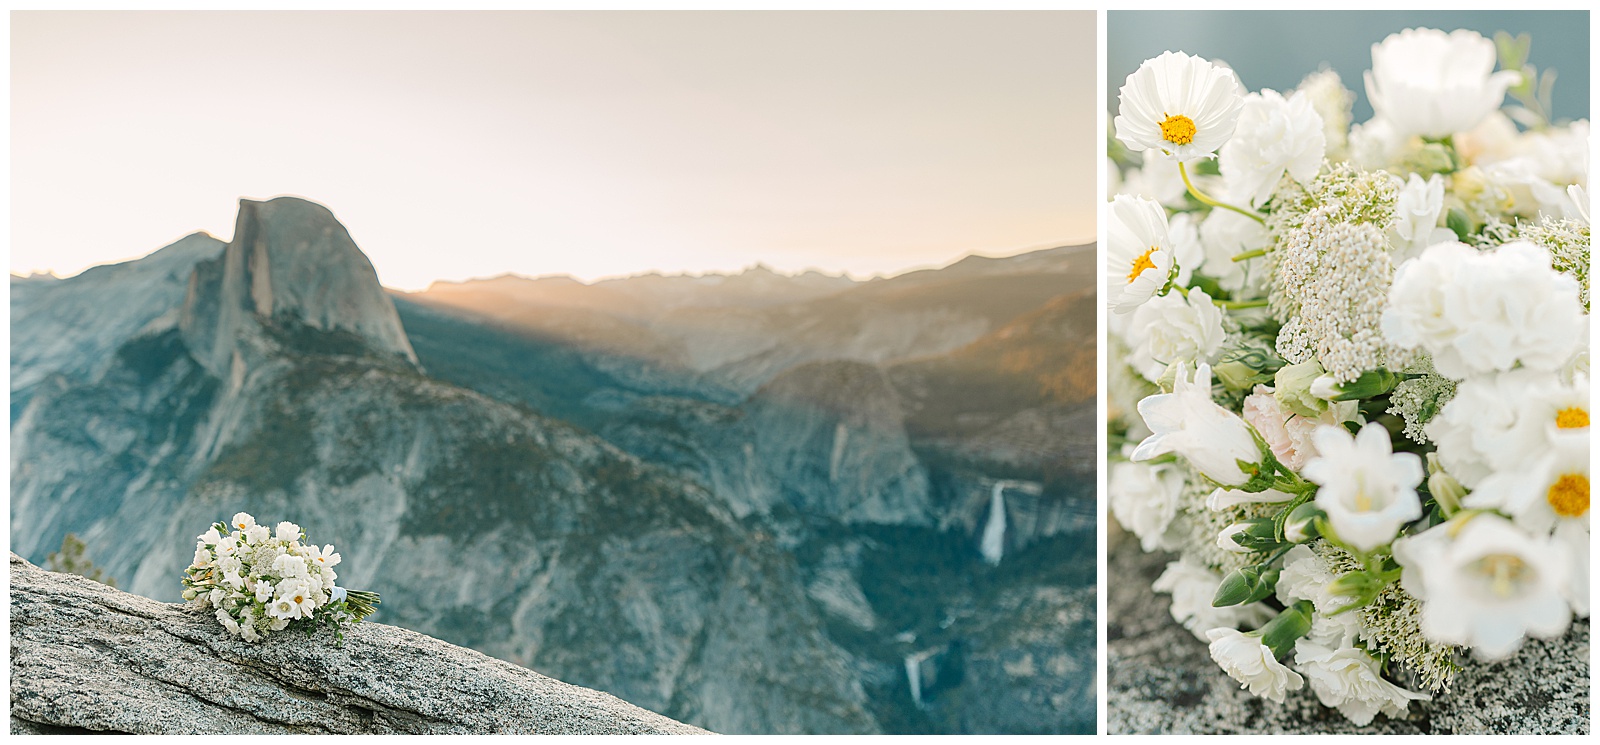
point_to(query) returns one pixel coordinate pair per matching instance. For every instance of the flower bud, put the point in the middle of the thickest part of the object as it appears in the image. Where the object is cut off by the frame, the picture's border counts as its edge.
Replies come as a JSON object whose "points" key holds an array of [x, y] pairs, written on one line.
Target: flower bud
{"points": [[1290, 626], [1371, 383], [1292, 388], [1245, 585], [1446, 490], [1304, 523]]}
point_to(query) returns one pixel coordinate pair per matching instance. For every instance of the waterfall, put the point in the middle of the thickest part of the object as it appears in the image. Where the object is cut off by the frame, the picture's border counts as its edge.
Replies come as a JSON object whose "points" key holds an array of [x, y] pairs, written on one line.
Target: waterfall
{"points": [[994, 533], [914, 677], [841, 437]]}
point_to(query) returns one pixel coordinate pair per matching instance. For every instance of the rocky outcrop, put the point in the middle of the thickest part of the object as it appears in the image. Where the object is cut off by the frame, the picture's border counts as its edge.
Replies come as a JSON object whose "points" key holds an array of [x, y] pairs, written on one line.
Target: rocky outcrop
{"points": [[1161, 680], [86, 657]]}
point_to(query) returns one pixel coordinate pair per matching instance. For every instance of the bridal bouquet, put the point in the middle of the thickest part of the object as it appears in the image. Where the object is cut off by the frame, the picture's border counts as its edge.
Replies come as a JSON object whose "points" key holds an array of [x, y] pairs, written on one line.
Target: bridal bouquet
{"points": [[261, 581], [1349, 364]]}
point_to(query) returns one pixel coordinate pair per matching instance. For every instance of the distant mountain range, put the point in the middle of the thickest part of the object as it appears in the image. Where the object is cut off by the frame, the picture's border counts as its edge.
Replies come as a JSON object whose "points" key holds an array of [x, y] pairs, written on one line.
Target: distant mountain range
{"points": [[751, 502]]}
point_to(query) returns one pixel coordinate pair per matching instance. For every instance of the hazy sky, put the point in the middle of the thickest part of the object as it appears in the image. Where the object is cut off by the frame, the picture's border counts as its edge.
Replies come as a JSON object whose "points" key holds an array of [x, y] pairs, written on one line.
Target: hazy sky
{"points": [[456, 145]]}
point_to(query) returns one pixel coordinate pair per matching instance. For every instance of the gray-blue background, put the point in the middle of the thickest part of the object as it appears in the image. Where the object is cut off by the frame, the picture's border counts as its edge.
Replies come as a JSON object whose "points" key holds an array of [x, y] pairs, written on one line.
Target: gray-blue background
{"points": [[1275, 49]]}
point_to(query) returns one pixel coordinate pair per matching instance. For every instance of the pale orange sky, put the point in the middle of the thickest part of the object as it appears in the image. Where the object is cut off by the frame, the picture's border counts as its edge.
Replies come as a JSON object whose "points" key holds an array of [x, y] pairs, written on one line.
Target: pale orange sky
{"points": [[457, 145]]}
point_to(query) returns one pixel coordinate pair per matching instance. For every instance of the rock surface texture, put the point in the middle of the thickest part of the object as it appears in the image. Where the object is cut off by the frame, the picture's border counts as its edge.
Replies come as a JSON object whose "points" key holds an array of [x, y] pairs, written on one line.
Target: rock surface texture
{"points": [[86, 657], [1161, 680]]}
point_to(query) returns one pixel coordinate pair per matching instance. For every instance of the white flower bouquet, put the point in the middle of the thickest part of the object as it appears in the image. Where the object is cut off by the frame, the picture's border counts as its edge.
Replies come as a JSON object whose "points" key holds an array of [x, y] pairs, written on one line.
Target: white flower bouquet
{"points": [[1349, 365], [261, 581]]}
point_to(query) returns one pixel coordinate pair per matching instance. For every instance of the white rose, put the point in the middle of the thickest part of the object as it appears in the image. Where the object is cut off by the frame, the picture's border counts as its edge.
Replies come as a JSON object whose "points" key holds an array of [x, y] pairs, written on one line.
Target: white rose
{"points": [[1187, 422], [1430, 83], [1192, 587], [1252, 664], [288, 531], [1479, 312], [1274, 136], [1349, 679]]}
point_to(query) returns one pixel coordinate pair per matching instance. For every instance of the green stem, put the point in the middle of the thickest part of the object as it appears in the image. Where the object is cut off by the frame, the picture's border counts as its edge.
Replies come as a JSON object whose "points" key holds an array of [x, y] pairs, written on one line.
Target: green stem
{"points": [[1214, 203], [1240, 304], [1250, 254]]}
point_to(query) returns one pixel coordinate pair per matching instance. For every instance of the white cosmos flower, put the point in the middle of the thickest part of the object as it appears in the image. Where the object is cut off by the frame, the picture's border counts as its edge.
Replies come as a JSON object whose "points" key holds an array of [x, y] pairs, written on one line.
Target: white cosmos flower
{"points": [[1187, 422], [1174, 328], [1350, 680], [243, 521], [1575, 538], [1416, 213], [1144, 499], [1478, 312], [1580, 202], [1486, 584], [202, 557], [1368, 491], [1430, 83], [1252, 664], [1192, 587], [1506, 421], [1274, 136], [1139, 254], [1181, 105], [1183, 230], [1547, 491]]}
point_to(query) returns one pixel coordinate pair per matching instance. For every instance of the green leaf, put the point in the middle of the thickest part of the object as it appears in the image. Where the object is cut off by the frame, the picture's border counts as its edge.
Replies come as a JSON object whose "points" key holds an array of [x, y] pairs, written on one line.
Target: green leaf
{"points": [[1458, 222]]}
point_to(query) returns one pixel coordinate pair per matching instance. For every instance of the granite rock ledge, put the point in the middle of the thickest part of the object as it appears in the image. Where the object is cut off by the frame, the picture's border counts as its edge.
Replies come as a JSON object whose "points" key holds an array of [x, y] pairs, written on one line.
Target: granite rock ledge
{"points": [[87, 657]]}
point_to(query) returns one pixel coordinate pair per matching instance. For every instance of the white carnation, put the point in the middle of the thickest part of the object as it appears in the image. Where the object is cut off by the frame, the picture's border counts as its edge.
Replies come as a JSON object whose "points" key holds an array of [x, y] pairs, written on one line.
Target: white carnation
{"points": [[1144, 499], [1252, 664], [1274, 136], [1479, 312], [1349, 679]]}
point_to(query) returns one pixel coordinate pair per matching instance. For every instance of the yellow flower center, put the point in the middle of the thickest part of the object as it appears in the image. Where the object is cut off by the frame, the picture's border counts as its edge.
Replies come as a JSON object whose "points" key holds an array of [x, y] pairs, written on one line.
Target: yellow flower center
{"points": [[1142, 263], [1178, 129], [1502, 571], [299, 599], [1569, 495], [1572, 417]]}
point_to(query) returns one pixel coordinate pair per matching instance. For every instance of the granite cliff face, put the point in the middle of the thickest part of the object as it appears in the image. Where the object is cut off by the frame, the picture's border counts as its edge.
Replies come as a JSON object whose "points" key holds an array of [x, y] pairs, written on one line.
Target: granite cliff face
{"points": [[566, 486], [86, 659]]}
